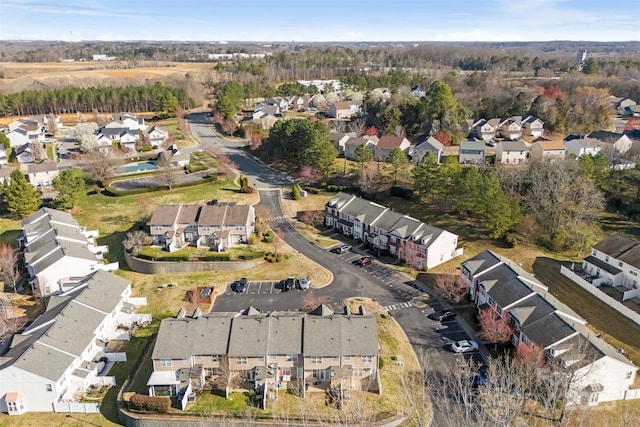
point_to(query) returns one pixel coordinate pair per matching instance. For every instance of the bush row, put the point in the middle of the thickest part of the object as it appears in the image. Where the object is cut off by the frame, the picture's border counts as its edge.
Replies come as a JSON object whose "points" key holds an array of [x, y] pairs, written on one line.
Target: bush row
{"points": [[149, 403], [271, 257]]}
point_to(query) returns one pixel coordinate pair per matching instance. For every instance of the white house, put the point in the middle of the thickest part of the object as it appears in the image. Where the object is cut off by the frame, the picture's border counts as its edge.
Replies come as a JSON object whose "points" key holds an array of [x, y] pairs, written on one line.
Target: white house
{"points": [[601, 374], [339, 139], [432, 145], [616, 261], [42, 174], [402, 236], [532, 126], [512, 152], [3, 155], [352, 144], [23, 131], [128, 121], [61, 353], [57, 250], [583, 146], [158, 135], [616, 143], [344, 110]]}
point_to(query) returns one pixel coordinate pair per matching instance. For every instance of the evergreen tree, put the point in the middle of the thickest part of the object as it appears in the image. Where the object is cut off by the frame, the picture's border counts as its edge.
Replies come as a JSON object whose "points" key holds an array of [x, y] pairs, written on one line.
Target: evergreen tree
{"points": [[71, 187], [4, 141], [22, 198], [397, 159], [498, 213], [363, 155], [425, 175]]}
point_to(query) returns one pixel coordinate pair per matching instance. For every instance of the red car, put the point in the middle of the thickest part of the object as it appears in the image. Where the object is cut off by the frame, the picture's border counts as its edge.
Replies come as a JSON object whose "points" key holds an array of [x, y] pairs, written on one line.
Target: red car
{"points": [[364, 261]]}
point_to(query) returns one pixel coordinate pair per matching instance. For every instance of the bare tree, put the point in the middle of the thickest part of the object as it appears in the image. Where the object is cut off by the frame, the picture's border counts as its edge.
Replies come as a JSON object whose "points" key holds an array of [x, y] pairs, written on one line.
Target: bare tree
{"points": [[135, 240], [9, 266], [224, 378], [38, 151], [449, 285], [278, 239], [494, 328], [311, 301], [9, 324], [225, 165], [167, 172], [313, 218], [369, 178], [102, 166], [357, 125], [339, 126], [52, 124], [309, 175]]}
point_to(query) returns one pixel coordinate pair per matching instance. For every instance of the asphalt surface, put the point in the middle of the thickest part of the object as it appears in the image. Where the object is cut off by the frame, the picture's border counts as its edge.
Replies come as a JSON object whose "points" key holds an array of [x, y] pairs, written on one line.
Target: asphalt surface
{"points": [[403, 298]]}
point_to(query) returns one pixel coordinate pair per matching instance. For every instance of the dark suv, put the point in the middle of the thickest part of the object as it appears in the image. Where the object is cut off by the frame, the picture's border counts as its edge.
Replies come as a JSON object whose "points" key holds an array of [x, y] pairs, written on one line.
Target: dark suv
{"points": [[289, 284]]}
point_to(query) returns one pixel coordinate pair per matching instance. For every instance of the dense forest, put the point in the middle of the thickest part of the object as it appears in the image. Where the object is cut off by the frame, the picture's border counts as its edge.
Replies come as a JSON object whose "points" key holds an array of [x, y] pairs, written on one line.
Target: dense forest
{"points": [[103, 99]]}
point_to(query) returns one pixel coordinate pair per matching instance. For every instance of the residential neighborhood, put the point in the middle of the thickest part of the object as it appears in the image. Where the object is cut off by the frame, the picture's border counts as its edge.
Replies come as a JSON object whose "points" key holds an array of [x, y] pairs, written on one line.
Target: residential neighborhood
{"points": [[300, 232]]}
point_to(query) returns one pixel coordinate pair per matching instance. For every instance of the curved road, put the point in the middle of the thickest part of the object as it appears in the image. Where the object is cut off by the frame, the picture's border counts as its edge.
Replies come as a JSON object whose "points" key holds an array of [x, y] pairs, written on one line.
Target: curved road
{"points": [[428, 338]]}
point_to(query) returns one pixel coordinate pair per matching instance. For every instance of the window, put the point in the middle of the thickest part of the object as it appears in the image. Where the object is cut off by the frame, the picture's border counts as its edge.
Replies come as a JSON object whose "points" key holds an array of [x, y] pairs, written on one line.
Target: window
{"points": [[628, 376], [292, 358], [633, 272], [606, 258], [239, 227], [619, 263], [316, 360], [49, 387], [242, 361], [336, 358], [366, 358], [158, 228], [197, 357], [346, 358], [593, 252], [594, 397], [261, 359], [215, 358], [273, 357], [166, 363]]}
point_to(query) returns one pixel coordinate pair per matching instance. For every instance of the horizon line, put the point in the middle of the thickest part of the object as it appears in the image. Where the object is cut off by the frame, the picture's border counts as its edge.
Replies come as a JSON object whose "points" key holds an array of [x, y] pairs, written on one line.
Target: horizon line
{"points": [[324, 41]]}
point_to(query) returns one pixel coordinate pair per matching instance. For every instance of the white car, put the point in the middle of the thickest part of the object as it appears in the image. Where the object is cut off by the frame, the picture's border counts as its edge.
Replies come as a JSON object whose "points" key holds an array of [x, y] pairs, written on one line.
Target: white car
{"points": [[464, 346], [304, 283]]}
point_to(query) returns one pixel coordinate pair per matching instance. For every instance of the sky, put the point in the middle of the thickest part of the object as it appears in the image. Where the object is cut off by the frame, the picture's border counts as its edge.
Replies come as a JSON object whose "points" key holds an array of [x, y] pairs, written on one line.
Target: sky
{"points": [[323, 20]]}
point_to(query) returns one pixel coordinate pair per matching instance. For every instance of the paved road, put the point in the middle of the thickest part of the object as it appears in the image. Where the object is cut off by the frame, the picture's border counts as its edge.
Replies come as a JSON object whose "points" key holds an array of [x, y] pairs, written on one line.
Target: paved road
{"points": [[260, 176], [392, 290]]}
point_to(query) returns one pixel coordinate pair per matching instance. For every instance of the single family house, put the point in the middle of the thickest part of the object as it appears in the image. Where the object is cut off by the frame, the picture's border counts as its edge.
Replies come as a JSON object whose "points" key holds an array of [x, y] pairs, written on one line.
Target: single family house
{"points": [[551, 150], [512, 152], [472, 152], [387, 144]]}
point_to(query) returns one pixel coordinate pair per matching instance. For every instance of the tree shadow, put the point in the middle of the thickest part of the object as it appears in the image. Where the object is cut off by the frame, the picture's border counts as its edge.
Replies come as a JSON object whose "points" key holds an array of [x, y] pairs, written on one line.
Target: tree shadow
{"points": [[114, 241], [10, 237]]}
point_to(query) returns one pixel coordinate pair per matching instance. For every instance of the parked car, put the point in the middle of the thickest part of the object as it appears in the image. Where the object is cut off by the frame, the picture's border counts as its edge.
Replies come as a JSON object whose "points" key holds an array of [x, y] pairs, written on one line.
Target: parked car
{"points": [[479, 380], [304, 283], [240, 285], [464, 346], [443, 315], [289, 284], [365, 260], [341, 249]]}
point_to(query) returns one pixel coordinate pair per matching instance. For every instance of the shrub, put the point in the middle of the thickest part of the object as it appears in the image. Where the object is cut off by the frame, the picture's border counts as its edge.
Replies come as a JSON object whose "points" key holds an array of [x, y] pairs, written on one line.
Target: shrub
{"points": [[215, 257], [295, 192], [252, 239], [271, 257], [312, 190], [146, 148], [402, 192], [149, 403], [248, 190], [380, 363], [336, 188], [268, 237]]}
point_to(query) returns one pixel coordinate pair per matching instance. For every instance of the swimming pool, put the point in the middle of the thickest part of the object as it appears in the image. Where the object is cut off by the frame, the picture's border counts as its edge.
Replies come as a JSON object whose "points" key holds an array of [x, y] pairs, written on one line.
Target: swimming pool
{"points": [[137, 167]]}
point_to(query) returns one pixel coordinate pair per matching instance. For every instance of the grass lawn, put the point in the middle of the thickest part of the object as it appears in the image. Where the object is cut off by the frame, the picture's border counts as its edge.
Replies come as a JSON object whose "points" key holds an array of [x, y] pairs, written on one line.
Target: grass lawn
{"points": [[618, 330]]}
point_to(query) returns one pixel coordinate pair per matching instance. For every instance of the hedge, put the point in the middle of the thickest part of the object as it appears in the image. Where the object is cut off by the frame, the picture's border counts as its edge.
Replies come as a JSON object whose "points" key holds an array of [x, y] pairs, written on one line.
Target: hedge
{"points": [[149, 403], [215, 257]]}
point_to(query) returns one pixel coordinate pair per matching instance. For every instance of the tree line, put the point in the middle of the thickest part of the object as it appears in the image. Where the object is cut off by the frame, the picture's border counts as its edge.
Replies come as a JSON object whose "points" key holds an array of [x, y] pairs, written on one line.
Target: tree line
{"points": [[103, 99]]}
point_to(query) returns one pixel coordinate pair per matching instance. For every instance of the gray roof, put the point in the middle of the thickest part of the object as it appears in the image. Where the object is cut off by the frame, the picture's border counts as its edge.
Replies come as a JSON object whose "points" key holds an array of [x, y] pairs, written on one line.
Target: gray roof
{"points": [[45, 166], [603, 265], [406, 226], [364, 210], [261, 334], [513, 146], [53, 250], [430, 144], [217, 215], [472, 145], [49, 215], [622, 248], [340, 200], [504, 286], [481, 262], [181, 338], [165, 215], [66, 328], [340, 335]]}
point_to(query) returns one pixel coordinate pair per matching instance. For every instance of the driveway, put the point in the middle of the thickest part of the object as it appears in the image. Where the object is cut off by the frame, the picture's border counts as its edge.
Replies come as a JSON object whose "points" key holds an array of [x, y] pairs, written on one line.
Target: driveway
{"points": [[392, 290]]}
